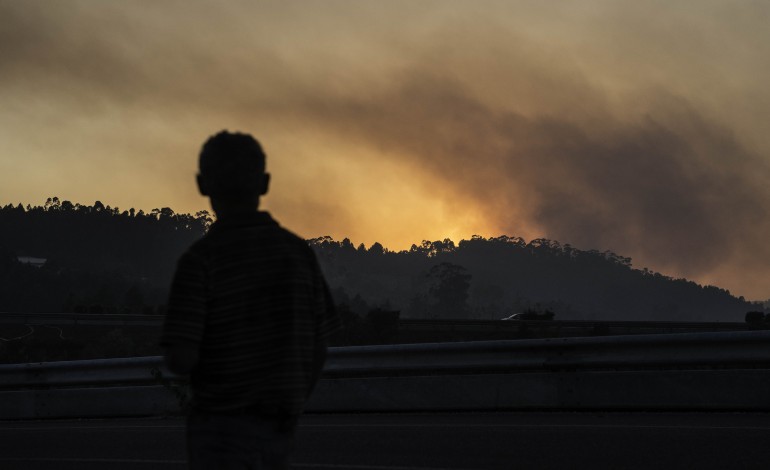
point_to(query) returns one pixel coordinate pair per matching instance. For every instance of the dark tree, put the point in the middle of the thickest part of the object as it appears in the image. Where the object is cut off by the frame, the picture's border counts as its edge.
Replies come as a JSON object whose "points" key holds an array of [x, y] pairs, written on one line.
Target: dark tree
{"points": [[449, 284]]}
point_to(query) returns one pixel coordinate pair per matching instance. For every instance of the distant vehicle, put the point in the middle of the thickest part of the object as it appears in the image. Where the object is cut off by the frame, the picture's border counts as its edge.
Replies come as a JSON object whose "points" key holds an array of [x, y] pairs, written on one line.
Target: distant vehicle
{"points": [[547, 315]]}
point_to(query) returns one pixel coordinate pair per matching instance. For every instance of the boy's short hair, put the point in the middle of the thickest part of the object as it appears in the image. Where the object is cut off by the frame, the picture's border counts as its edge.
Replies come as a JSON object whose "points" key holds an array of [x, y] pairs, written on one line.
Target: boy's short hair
{"points": [[230, 162]]}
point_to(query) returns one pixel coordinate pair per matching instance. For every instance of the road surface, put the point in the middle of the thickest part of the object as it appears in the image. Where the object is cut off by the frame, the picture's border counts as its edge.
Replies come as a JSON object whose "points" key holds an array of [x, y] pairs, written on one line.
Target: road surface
{"points": [[548, 440]]}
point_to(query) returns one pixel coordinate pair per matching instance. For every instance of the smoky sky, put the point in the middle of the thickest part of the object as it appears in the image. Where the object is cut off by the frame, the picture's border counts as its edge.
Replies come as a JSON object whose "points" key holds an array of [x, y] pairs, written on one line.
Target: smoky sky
{"points": [[633, 128], [679, 192]]}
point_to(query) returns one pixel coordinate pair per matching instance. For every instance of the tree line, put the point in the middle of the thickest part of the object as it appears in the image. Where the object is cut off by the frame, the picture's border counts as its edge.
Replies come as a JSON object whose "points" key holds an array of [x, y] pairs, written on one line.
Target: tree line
{"points": [[97, 258], [101, 259], [492, 278]]}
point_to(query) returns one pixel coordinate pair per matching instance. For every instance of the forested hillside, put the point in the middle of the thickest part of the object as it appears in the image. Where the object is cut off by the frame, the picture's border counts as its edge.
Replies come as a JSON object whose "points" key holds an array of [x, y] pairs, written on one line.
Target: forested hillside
{"points": [[98, 258], [103, 260], [495, 277]]}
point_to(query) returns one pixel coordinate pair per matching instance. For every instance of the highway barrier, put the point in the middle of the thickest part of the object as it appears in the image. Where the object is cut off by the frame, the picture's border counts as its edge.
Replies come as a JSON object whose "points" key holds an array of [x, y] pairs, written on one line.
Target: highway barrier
{"points": [[726, 371]]}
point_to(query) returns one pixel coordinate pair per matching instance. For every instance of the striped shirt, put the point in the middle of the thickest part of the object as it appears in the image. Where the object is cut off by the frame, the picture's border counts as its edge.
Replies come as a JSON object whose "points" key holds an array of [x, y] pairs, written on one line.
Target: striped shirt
{"points": [[251, 298]]}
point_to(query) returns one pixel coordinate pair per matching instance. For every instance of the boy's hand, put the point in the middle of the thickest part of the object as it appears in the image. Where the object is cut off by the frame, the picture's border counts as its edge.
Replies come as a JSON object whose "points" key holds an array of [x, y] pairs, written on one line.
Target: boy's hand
{"points": [[181, 359]]}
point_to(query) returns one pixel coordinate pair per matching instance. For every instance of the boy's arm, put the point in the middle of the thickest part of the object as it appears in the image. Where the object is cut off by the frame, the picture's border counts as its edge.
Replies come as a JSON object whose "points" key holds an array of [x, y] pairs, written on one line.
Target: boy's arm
{"points": [[327, 323], [185, 317], [319, 359]]}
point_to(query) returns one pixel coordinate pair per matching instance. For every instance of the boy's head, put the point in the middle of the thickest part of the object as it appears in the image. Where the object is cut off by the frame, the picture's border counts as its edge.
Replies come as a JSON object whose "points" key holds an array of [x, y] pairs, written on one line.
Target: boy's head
{"points": [[232, 169]]}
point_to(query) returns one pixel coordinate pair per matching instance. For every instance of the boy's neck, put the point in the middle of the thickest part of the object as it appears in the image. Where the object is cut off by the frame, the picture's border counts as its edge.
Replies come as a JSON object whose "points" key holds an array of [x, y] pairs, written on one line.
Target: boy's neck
{"points": [[234, 210]]}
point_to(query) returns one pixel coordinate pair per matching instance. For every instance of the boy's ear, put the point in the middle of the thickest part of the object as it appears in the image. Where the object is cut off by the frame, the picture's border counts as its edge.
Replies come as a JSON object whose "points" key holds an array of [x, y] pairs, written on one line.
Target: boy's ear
{"points": [[264, 184], [201, 185]]}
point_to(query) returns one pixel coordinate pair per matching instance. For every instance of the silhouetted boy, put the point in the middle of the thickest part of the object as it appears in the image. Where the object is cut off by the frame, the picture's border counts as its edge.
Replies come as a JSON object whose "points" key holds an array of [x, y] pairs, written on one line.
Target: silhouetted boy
{"points": [[248, 318]]}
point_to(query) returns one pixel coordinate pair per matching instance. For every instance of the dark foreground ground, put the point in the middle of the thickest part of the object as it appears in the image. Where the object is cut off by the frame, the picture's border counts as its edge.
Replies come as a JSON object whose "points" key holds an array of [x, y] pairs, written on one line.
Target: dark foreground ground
{"points": [[422, 441]]}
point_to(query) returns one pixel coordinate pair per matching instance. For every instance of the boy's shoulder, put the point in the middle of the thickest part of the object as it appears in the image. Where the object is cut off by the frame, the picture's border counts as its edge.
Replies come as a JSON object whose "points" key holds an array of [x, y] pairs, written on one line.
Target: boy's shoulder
{"points": [[270, 234]]}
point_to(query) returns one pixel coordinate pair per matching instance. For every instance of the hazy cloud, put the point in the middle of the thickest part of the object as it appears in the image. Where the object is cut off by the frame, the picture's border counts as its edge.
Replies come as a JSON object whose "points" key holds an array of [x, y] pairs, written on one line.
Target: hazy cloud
{"points": [[678, 193], [613, 128]]}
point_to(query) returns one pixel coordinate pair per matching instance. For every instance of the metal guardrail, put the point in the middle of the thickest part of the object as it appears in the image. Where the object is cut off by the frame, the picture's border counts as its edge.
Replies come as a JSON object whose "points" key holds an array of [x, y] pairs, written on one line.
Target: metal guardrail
{"points": [[689, 371], [643, 352], [93, 372], [631, 352], [79, 319]]}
